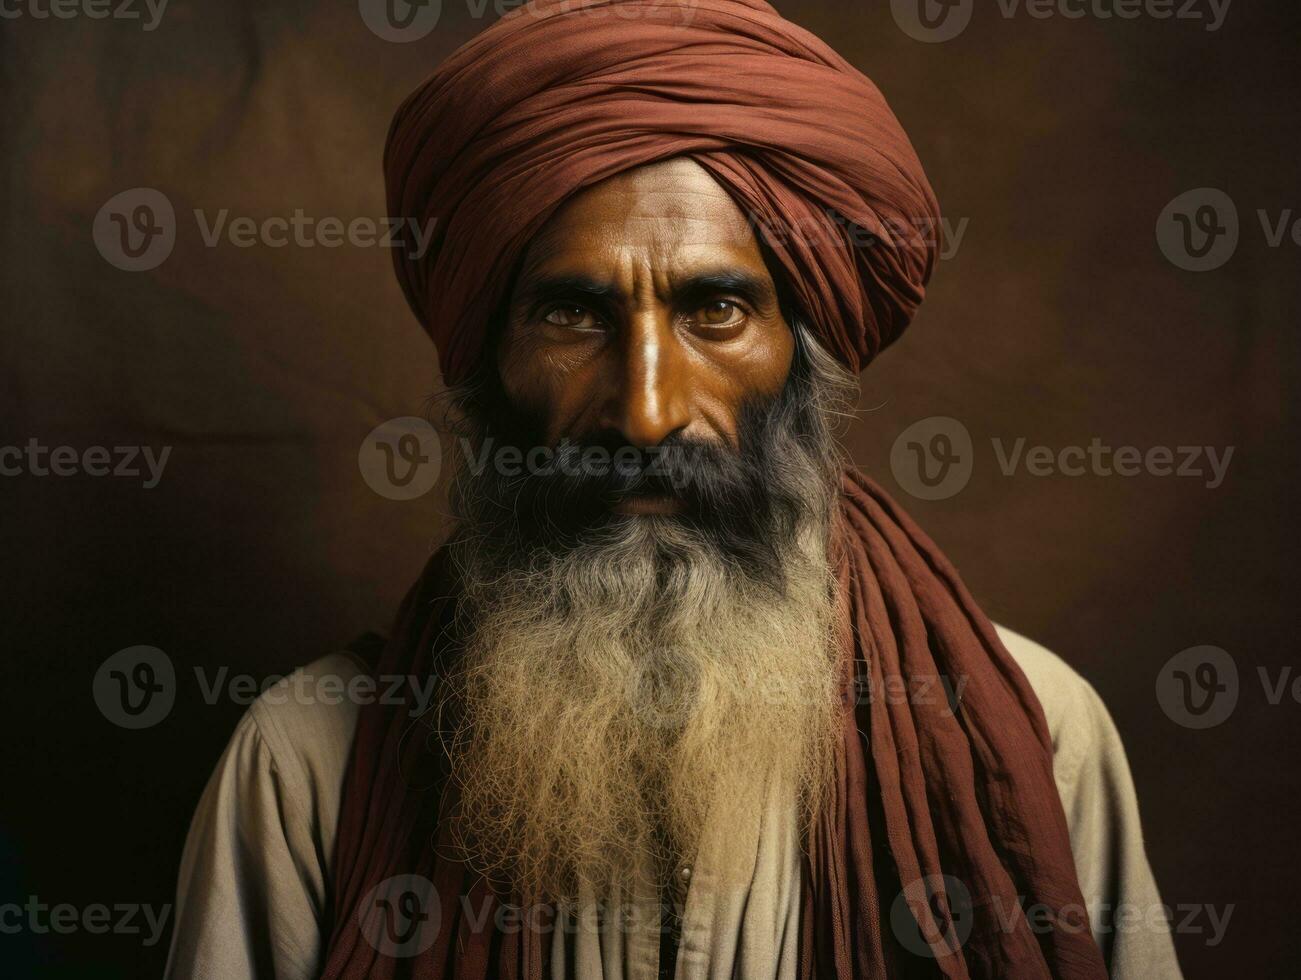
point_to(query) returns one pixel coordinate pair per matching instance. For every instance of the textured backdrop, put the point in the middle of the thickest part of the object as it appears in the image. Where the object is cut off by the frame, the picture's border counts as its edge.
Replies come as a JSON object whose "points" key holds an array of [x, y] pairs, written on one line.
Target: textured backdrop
{"points": [[1058, 317]]}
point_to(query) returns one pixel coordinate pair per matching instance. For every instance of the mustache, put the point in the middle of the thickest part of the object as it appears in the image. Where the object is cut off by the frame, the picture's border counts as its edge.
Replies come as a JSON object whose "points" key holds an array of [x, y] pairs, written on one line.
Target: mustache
{"points": [[602, 470], [735, 496]]}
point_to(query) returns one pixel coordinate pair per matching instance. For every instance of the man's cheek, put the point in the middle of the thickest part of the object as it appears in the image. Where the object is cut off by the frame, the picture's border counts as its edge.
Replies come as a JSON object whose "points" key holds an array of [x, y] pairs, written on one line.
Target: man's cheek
{"points": [[567, 407], [561, 418], [717, 417], [554, 402]]}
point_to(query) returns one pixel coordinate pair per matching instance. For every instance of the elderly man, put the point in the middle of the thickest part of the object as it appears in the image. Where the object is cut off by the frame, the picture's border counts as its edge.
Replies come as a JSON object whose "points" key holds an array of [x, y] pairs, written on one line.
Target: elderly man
{"points": [[707, 703]]}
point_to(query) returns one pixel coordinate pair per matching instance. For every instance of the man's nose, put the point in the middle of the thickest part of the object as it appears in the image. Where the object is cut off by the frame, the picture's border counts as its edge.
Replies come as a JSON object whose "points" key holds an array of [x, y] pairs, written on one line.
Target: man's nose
{"points": [[652, 391]]}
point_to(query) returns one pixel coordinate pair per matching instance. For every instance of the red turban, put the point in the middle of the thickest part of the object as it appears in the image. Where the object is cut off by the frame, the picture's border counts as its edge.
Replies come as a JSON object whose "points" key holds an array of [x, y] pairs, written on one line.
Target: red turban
{"points": [[560, 94]]}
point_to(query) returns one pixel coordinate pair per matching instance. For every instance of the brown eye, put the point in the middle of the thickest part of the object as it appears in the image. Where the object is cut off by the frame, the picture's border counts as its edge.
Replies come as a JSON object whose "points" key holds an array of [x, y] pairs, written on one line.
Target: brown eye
{"points": [[721, 313], [570, 316]]}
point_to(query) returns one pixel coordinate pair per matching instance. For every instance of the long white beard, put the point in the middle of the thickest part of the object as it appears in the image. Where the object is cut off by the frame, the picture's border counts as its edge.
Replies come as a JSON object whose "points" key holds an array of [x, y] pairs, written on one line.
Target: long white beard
{"points": [[626, 689], [616, 697]]}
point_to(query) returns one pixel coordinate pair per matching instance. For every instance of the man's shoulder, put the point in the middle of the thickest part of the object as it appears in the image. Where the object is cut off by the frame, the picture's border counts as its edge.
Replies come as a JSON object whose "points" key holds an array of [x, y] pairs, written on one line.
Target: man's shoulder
{"points": [[253, 885], [296, 740], [307, 718], [1077, 719]]}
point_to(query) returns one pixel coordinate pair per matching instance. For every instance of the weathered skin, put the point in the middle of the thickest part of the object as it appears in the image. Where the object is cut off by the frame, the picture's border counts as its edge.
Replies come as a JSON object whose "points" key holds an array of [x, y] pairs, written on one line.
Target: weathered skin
{"points": [[644, 306]]}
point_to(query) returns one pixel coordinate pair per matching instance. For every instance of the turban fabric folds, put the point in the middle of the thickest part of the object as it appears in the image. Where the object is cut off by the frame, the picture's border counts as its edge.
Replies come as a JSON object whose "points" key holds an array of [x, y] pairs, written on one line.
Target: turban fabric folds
{"points": [[927, 791], [558, 95]]}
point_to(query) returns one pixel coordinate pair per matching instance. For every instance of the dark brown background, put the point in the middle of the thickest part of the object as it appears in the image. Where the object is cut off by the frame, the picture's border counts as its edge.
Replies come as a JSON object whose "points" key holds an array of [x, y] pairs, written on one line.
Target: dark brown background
{"points": [[1058, 320]]}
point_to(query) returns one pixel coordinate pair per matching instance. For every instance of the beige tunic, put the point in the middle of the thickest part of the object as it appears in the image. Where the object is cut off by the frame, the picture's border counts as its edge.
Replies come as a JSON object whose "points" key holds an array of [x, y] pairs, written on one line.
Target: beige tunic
{"points": [[251, 893]]}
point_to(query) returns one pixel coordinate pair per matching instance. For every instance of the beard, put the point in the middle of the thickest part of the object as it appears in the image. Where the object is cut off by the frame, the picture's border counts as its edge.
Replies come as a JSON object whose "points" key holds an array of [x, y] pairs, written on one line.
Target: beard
{"points": [[628, 681]]}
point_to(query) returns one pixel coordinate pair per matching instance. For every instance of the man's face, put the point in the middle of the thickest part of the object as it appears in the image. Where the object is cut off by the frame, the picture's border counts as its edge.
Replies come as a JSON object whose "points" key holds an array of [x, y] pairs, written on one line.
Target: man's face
{"points": [[660, 638], [644, 310]]}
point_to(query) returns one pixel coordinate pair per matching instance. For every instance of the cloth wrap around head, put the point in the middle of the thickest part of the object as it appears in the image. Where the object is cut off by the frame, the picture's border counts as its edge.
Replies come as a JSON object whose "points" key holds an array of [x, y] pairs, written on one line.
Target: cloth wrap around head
{"points": [[554, 97], [559, 95]]}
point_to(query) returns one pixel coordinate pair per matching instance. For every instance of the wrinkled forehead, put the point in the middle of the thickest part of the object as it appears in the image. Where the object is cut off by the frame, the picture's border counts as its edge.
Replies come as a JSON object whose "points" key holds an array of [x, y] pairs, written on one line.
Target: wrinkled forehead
{"points": [[672, 214]]}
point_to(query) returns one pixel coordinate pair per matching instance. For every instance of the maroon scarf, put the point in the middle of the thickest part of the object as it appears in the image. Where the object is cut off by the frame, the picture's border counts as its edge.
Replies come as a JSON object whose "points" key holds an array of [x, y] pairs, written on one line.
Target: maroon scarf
{"points": [[922, 790]]}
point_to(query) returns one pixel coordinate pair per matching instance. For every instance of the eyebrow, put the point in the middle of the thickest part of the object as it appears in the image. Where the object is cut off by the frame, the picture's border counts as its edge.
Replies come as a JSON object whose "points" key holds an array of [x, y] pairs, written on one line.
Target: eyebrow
{"points": [[549, 288], [558, 288], [754, 288]]}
